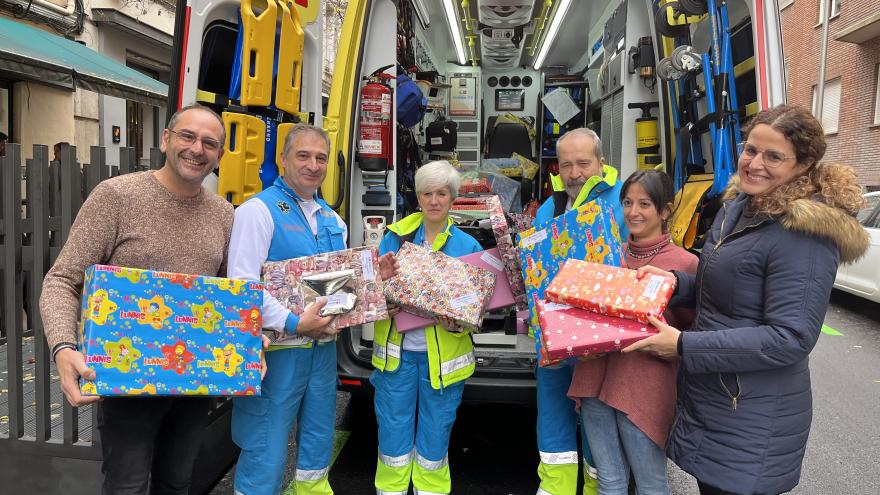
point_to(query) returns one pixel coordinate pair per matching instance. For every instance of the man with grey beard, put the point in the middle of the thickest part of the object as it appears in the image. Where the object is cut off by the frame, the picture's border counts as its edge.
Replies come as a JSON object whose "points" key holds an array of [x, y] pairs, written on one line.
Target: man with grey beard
{"points": [[583, 177]]}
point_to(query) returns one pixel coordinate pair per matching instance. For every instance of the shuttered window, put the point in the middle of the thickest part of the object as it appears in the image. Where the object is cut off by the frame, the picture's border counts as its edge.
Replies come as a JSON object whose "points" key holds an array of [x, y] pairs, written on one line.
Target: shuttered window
{"points": [[830, 105]]}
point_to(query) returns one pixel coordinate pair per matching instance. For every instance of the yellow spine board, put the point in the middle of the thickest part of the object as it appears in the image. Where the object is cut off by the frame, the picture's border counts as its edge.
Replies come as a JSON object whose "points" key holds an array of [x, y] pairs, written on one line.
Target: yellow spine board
{"points": [[258, 50], [240, 164], [290, 58], [281, 133]]}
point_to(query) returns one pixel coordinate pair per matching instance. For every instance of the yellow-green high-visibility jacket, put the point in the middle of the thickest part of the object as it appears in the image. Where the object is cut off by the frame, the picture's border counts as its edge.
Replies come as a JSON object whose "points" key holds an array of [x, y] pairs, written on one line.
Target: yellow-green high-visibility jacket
{"points": [[450, 354]]}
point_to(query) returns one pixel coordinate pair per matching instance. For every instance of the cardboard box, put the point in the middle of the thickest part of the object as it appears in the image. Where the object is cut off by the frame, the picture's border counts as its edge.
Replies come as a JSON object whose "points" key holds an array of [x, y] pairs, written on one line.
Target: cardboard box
{"points": [[611, 291], [431, 283], [574, 333], [147, 332], [348, 278], [588, 232], [501, 296]]}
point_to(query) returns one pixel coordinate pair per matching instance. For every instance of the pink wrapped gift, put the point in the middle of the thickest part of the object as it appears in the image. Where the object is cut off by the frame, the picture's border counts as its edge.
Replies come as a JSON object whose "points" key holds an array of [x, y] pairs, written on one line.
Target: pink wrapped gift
{"points": [[568, 332], [349, 279], [501, 294], [430, 283]]}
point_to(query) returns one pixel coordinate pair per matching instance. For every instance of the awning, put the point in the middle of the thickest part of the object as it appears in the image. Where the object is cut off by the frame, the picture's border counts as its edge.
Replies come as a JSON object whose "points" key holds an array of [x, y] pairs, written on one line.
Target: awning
{"points": [[32, 54]]}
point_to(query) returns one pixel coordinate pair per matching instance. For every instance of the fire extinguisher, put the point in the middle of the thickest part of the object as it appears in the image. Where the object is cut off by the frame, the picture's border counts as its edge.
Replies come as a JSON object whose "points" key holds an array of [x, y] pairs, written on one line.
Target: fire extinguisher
{"points": [[374, 144]]}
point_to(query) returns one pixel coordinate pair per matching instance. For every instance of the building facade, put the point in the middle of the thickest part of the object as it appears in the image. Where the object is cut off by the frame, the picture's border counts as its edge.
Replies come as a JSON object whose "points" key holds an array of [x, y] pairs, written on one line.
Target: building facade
{"points": [[851, 107], [135, 33]]}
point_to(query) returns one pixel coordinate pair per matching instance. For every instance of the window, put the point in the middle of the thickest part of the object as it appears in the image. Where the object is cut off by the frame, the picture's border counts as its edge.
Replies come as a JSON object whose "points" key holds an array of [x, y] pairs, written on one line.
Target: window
{"points": [[835, 10], [877, 98], [785, 3], [830, 105]]}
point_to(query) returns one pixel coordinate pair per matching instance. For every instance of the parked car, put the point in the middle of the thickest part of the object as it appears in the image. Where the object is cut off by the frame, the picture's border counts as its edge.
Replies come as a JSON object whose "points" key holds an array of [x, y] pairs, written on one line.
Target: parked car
{"points": [[862, 278]]}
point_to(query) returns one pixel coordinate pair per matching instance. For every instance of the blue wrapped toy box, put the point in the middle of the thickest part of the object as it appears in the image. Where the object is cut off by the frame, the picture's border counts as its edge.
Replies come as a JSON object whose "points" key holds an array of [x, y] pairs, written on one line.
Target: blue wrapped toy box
{"points": [[588, 232], [147, 332]]}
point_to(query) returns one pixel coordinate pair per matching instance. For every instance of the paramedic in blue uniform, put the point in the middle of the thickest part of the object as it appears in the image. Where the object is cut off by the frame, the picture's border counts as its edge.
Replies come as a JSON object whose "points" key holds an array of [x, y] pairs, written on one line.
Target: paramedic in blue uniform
{"points": [[583, 177], [288, 220], [420, 375]]}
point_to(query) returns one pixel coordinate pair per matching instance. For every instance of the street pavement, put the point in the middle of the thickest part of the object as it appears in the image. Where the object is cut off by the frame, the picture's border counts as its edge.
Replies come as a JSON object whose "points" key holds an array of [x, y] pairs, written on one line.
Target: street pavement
{"points": [[493, 450]]}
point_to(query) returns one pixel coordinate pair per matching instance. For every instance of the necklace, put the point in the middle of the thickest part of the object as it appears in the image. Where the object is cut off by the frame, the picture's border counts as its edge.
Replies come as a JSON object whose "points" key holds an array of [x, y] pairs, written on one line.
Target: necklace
{"points": [[649, 254]]}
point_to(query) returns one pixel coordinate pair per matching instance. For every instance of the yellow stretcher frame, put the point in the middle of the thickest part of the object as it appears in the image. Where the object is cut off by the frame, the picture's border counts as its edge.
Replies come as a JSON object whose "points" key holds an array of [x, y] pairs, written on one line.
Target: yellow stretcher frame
{"points": [[258, 46]]}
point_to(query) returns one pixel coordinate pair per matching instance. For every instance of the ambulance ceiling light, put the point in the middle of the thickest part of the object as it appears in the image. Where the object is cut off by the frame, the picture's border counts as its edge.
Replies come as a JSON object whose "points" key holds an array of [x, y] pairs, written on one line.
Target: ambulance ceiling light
{"points": [[421, 13], [455, 30], [551, 33]]}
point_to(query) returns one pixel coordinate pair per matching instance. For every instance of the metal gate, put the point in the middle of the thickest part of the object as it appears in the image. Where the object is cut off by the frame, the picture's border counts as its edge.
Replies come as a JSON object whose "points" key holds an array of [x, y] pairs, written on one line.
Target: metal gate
{"points": [[46, 445]]}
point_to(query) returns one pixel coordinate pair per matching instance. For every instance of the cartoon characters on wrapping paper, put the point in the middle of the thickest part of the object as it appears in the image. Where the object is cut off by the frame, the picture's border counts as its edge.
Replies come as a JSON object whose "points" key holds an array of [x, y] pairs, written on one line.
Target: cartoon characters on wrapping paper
{"points": [[560, 244], [153, 312], [177, 357], [123, 354], [185, 281], [207, 316], [251, 320], [226, 360], [132, 274], [535, 272], [100, 307], [230, 285]]}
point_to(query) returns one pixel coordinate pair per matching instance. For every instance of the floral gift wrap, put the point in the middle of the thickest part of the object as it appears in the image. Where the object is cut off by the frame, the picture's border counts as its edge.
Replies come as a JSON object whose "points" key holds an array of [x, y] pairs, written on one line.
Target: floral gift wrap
{"points": [[611, 291], [349, 279], [157, 333], [588, 232], [568, 332], [430, 283]]}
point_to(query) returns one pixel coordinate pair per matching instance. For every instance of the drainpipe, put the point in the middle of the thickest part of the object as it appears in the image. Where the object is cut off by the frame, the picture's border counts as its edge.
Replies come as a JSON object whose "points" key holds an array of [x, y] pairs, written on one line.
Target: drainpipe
{"points": [[823, 51]]}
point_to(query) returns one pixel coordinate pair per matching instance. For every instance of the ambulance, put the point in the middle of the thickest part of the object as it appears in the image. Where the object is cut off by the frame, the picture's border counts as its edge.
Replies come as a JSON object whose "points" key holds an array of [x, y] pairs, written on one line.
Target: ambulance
{"points": [[666, 84]]}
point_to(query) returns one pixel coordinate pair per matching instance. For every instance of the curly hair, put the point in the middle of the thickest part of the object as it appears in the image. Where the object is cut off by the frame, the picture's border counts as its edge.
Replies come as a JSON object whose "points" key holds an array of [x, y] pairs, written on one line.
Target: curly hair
{"points": [[833, 184]]}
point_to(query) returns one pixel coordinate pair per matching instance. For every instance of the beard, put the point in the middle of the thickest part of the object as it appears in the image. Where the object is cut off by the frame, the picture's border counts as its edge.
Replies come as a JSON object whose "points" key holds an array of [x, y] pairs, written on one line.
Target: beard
{"points": [[573, 188]]}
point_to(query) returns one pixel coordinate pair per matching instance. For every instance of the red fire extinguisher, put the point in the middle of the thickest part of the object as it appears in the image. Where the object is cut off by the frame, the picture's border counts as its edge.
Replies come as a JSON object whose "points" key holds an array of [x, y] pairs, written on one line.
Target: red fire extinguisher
{"points": [[374, 145]]}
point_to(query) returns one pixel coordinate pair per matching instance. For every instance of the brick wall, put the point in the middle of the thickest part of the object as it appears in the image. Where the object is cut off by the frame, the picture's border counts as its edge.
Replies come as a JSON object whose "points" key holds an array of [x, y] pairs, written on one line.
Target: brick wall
{"points": [[857, 141]]}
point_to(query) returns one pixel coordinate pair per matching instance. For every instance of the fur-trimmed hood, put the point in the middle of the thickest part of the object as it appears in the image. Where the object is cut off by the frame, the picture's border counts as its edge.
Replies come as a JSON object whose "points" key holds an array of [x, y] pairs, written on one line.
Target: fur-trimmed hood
{"points": [[813, 217]]}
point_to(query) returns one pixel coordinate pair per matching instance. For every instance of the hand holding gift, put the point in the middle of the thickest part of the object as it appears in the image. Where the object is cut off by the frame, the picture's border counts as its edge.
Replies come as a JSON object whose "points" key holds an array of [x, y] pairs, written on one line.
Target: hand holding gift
{"points": [[71, 366], [663, 344], [388, 266], [313, 325]]}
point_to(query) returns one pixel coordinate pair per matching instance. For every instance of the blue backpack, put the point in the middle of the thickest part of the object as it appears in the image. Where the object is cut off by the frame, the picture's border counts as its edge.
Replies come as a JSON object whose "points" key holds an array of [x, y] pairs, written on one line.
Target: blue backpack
{"points": [[411, 102]]}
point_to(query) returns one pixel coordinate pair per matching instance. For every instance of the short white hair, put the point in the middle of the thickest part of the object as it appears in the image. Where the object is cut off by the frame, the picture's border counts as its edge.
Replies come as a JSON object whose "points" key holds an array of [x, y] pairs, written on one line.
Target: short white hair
{"points": [[437, 175], [583, 132]]}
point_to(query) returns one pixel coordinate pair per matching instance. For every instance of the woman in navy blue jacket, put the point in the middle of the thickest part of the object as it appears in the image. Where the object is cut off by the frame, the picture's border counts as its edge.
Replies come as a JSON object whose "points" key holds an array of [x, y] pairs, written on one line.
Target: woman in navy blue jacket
{"points": [[761, 292]]}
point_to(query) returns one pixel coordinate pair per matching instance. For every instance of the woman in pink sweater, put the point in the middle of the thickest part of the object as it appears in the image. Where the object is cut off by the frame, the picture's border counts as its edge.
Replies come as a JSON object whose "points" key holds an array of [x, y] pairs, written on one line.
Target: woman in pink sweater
{"points": [[627, 401]]}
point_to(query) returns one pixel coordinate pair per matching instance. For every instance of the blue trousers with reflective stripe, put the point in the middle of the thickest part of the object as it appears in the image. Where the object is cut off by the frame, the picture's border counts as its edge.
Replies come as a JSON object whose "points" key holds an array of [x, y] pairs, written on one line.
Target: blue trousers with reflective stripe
{"points": [[399, 394], [557, 420], [300, 385]]}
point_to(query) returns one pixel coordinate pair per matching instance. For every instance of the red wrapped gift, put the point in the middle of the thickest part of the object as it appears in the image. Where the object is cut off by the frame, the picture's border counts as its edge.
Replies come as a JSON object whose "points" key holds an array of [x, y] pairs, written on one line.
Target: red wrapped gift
{"points": [[479, 185], [568, 332], [609, 290]]}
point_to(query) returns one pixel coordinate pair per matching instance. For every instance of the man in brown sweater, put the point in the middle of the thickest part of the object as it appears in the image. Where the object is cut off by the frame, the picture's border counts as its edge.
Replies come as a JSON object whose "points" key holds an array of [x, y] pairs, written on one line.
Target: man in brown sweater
{"points": [[156, 220]]}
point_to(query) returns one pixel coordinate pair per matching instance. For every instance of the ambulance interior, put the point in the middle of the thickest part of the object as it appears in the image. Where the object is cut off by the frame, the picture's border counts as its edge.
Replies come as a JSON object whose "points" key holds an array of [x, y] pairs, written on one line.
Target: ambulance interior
{"points": [[505, 78]]}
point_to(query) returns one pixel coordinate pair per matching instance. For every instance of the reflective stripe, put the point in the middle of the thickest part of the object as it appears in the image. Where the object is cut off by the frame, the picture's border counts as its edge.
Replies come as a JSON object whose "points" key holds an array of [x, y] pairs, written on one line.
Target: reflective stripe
{"points": [[456, 364], [593, 472], [382, 352], [557, 458], [396, 462], [542, 491], [311, 475], [423, 492], [394, 350], [383, 492], [432, 465]]}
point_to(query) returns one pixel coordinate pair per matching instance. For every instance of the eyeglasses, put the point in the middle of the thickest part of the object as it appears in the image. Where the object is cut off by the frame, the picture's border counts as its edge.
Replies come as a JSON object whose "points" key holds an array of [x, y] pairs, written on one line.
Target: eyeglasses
{"points": [[187, 138], [772, 159]]}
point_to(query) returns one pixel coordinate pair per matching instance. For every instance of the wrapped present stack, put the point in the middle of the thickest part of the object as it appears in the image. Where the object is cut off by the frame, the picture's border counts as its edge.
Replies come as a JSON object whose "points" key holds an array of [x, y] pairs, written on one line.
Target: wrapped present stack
{"points": [[588, 232], [430, 283], [507, 250], [349, 279], [157, 333], [592, 309]]}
